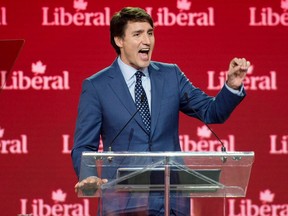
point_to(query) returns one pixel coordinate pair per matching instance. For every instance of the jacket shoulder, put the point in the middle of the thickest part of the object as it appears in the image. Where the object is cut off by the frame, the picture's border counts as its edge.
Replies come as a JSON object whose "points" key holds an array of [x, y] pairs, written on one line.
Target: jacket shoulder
{"points": [[163, 64], [100, 74]]}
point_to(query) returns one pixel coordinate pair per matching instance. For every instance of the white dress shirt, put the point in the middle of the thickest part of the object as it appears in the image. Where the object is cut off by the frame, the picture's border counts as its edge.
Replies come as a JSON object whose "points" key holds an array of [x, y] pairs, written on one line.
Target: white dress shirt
{"points": [[130, 79]]}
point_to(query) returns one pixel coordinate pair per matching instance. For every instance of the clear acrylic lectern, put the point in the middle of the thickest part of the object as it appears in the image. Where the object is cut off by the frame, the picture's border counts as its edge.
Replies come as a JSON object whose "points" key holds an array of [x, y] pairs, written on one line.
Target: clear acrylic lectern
{"points": [[136, 178]]}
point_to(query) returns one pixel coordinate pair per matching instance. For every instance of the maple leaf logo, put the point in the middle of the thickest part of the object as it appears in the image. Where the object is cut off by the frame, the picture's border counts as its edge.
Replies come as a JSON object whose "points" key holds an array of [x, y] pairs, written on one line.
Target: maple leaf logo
{"points": [[266, 196], [38, 68], [80, 5], [203, 132], [183, 4], [284, 4], [59, 196]]}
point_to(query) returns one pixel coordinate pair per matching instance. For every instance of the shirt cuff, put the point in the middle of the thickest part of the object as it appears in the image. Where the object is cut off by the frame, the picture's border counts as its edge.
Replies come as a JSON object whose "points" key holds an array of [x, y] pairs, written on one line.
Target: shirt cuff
{"points": [[234, 91]]}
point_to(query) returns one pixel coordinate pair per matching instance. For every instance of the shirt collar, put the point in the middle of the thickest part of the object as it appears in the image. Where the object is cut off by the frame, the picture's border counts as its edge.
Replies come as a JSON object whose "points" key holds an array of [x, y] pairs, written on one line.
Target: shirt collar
{"points": [[128, 71]]}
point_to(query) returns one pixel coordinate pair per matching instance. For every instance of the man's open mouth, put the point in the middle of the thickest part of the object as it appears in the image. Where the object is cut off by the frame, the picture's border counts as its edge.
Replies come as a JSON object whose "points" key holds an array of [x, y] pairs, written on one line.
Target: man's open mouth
{"points": [[144, 54], [144, 50]]}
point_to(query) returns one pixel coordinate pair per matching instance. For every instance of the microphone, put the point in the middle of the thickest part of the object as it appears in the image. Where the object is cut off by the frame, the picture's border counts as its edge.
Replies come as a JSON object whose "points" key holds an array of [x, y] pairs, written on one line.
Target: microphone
{"points": [[118, 134], [223, 148]]}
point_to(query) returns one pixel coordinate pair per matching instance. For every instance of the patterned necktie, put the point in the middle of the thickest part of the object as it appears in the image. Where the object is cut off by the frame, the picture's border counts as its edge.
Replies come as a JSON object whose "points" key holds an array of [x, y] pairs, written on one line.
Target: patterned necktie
{"points": [[141, 101]]}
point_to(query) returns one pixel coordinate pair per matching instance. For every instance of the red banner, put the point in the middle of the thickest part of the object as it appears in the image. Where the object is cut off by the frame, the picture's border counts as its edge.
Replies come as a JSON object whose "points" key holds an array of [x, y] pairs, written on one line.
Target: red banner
{"points": [[68, 40]]}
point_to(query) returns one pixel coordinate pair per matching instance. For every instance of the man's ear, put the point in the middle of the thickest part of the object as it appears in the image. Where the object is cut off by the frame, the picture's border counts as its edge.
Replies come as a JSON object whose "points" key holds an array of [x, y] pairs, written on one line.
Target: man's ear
{"points": [[118, 41]]}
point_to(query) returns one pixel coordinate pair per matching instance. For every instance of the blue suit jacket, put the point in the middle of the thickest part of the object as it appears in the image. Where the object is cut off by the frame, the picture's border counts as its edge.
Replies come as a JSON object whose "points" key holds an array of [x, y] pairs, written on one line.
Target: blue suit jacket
{"points": [[106, 105]]}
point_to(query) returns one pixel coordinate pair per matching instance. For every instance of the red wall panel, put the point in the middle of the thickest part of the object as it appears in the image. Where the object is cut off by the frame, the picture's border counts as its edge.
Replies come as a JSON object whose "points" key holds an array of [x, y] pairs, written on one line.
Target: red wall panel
{"points": [[39, 107]]}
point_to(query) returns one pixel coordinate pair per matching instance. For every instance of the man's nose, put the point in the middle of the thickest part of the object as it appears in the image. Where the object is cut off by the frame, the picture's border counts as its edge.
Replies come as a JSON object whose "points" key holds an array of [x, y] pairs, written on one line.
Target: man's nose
{"points": [[146, 39]]}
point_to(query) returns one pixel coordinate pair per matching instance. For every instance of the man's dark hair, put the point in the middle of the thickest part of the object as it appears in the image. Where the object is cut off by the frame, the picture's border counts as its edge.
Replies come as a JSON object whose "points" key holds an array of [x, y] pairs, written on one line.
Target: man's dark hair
{"points": [[119, 22]]}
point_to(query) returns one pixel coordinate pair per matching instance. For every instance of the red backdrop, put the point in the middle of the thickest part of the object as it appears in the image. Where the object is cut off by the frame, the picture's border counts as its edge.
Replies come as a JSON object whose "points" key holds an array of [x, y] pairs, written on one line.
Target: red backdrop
{"points": [[70, 41]]}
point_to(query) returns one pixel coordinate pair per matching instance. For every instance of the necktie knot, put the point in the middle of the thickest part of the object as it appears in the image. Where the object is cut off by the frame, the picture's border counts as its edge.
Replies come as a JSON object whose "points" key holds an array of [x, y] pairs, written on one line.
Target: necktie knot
{"points": [[139, 75]]}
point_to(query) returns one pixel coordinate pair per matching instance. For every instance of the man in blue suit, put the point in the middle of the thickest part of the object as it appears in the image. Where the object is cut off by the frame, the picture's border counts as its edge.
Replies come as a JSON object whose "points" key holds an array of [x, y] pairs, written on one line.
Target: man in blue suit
{"points": [[108, 99]]}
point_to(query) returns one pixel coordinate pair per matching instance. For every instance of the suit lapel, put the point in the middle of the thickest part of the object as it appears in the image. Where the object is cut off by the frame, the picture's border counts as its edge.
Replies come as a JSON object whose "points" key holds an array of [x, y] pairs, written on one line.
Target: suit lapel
{"points": [[157, 82], [119, 87]]}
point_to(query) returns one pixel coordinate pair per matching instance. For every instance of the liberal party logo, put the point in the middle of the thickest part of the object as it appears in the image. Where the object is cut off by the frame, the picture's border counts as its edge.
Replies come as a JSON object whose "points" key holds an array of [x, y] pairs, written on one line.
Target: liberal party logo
{"points": [[39, 80], [268, 16], [206, 141], [60, 16], [251, 81], [57, 206], [278, 144], [165, 16], [13, 146], [266, 206]]}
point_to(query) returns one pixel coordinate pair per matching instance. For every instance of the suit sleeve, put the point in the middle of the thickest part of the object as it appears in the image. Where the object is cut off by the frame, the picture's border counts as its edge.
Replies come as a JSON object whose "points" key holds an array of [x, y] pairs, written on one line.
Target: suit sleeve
{"points": [[211, 109], [88, 125]]}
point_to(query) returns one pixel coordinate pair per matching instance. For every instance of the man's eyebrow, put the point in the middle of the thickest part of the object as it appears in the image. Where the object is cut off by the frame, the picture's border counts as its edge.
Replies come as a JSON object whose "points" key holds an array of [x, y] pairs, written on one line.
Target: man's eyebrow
{"points": [[141, 31], [138, 31]]}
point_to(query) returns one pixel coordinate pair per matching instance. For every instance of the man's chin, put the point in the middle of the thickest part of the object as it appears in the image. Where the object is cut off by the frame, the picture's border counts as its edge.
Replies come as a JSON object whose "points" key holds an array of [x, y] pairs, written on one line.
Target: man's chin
{"points": [[141, 64], [144, 64]]}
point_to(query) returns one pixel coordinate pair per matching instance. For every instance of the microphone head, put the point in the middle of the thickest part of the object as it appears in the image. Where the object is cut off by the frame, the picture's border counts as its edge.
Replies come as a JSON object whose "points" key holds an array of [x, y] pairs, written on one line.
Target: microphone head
{"points": [[110, 159]]}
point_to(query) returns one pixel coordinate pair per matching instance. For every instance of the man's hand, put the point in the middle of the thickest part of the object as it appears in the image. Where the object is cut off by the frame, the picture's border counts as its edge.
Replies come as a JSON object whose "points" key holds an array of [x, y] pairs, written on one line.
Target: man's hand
{"points": [[237, 72], [91, 183]]}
